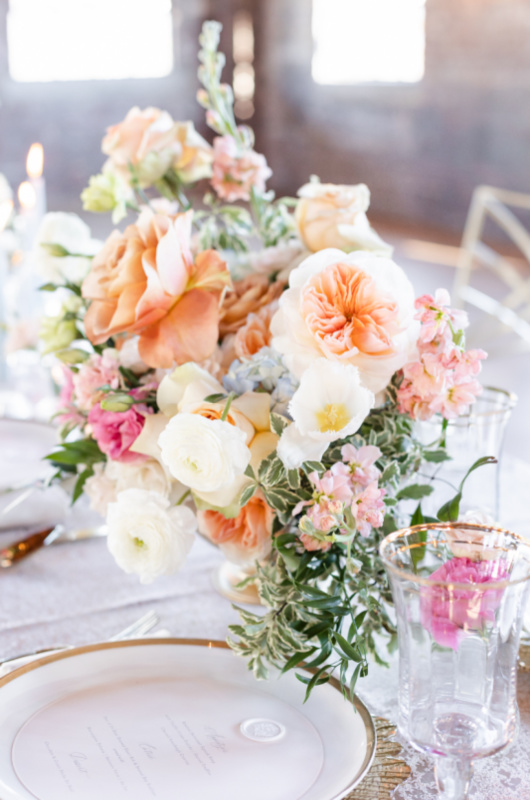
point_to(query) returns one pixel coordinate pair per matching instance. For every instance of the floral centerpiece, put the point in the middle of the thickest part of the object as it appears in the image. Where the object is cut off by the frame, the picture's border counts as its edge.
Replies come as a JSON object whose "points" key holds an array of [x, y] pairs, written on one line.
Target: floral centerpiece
{"points": [[253, 372]]}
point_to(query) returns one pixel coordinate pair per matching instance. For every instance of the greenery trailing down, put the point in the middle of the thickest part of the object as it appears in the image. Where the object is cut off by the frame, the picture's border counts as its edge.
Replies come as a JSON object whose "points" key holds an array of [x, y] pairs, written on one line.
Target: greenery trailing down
{"points": [[329, 610]]}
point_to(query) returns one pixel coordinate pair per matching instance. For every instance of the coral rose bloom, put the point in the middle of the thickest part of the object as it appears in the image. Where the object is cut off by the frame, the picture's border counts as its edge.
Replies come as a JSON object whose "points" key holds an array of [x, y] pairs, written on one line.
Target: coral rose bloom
{"points": [[255, 333], [249, 296], [245, 538], [145, 281], [355, 309]]}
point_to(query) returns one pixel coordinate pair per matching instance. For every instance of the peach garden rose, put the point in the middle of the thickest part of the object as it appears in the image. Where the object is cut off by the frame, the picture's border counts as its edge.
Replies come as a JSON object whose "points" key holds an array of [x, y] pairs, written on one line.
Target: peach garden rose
{"points": [[149, 142], [245, 538], [355, 308], [331, 215], [145, 281]]}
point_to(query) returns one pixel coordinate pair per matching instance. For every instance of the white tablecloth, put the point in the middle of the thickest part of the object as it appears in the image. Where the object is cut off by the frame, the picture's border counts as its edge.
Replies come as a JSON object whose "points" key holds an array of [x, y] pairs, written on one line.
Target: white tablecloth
{"points": [[73, 593]]}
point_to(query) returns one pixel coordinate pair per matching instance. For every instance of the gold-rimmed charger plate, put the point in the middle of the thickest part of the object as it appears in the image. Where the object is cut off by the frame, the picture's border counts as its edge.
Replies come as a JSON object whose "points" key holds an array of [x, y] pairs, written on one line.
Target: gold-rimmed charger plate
{"points": [[138, 718]]}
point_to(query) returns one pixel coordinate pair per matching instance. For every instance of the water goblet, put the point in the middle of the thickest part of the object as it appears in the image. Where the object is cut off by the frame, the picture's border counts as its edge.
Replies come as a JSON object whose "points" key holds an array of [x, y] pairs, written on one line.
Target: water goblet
{"points": [[459, 592]]}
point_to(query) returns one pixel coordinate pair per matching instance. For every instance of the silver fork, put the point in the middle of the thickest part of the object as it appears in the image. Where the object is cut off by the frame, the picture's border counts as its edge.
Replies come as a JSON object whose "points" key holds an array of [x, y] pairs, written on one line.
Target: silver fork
{"points": [[139, 628]]}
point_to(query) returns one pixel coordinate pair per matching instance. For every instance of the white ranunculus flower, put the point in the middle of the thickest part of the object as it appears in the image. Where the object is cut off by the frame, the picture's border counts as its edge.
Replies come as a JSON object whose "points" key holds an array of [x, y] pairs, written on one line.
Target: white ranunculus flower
{"points": [[204, 454], [148, 537], [355, 308], [333, 215], [329, 404], [68, 231]]}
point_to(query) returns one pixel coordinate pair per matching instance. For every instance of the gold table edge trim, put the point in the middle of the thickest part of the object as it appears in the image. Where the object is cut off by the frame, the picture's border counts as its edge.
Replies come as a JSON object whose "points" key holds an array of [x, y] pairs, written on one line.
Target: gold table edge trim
{"points": [[378, 730]]}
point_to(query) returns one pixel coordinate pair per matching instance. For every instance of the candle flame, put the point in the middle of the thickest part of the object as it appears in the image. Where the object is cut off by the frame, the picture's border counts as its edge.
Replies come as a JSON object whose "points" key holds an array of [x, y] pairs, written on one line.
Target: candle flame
{"points": [[35, 161], [27, 196], [6, 209]]}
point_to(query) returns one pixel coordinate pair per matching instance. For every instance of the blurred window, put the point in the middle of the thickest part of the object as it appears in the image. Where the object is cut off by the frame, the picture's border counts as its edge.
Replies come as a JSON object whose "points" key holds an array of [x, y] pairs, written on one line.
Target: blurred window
{"points": [[243, 52], [366, 41], [72, 40]]}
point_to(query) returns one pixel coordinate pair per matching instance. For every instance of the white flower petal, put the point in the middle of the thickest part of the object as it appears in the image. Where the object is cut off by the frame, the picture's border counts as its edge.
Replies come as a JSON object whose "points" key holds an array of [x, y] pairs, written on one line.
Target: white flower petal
{"points": [[146, 536], [205, 455], [294, 448]]}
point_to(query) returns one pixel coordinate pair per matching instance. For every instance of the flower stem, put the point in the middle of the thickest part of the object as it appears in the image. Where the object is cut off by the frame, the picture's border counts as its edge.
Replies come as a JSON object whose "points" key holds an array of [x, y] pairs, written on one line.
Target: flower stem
{"points": [[226, 409], [183, 498]]}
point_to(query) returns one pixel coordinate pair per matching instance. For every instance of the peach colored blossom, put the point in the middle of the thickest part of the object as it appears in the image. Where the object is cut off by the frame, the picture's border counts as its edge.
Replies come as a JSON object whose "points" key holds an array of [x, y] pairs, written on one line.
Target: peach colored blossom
{"points": [[344, 311], [145, 281], [245, 538], [330, 215], [249, 295], [255, 333], [236, 170], [354, 308], [146, 140]]}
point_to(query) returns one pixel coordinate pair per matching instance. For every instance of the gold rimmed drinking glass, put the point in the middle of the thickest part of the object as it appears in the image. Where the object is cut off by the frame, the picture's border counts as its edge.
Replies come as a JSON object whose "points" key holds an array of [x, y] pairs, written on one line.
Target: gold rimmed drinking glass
{"points": [[459, 592]]}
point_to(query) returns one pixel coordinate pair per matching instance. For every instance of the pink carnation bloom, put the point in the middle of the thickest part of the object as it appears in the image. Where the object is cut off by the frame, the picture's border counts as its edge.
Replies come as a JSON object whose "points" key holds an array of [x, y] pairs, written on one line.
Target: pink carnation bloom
{"points": [[449, 613], [116, 431], [98, 371], [360, 463], [237, 170], [368, 509]]}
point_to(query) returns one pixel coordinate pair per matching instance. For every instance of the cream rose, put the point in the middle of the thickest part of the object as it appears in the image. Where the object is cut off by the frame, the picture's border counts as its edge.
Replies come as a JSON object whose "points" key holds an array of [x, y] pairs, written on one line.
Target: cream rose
{"points": [[148, 537], [330, 215], [355, 308]]}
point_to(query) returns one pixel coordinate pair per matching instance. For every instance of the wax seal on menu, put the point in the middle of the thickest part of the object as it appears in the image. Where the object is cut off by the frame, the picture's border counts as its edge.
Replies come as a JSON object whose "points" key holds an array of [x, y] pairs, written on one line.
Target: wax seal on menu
{"points": [[262, 730]]}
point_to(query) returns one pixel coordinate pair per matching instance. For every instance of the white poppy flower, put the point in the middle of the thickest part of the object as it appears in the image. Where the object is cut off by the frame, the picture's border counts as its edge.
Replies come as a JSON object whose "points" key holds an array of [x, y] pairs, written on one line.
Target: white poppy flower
{"points": [[329, 404]]}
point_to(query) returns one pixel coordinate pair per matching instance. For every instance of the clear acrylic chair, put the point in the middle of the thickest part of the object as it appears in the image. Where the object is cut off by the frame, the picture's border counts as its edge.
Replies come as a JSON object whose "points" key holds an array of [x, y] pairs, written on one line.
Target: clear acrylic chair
{"points": [[512, 310]]}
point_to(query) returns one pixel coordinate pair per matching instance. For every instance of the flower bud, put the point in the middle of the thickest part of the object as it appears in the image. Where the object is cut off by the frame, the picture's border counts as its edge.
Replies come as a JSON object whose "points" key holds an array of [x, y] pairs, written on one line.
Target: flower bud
{"points": [[117, 402]]}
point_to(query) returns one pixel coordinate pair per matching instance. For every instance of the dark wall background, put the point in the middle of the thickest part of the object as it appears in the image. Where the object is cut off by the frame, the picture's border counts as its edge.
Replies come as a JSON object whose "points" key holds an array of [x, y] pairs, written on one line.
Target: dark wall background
{"points": [[421, 148]]}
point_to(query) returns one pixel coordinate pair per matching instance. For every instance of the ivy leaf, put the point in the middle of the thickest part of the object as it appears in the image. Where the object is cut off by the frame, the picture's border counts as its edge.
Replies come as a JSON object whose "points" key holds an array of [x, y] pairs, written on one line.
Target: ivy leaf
{"points": [[414, 492], [80, 483], [449, 511], [437, 456], [417, 553], [215, 398], [278, 423], [390, 472], [313, 466], [247, 493], [481, 462]]}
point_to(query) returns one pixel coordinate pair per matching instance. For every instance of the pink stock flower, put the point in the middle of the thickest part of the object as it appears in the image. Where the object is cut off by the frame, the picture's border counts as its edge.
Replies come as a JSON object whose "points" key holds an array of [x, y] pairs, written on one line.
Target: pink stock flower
{"points": [[449, 613], [368, 509], [116, 431], [236, 170], [361, 464], [98, 371], [333, 483], [311, 543], [68, 414], [438, 319], [457, 400], [443, 379]]}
